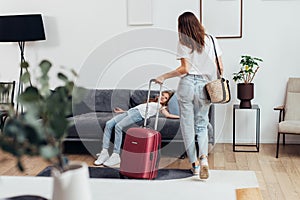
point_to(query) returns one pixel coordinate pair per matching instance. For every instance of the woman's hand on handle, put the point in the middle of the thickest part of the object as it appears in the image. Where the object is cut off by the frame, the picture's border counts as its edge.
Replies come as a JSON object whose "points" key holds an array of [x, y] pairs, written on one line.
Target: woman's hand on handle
{"points": [[160, 79]]}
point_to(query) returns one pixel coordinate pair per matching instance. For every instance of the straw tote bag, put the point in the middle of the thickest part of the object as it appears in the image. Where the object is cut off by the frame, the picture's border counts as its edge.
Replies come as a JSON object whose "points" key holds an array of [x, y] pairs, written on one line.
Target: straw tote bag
{"points": [[218, 90]]}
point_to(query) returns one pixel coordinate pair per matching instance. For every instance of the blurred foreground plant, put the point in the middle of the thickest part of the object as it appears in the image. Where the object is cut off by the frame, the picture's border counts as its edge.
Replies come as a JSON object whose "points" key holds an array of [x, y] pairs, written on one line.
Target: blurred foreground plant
{"points": [[41, 129]]}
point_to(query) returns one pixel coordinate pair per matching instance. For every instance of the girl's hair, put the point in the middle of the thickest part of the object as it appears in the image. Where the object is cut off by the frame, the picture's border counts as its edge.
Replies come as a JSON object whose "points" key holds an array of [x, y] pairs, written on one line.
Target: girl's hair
{"points": [[171, 93], [191, 32]]}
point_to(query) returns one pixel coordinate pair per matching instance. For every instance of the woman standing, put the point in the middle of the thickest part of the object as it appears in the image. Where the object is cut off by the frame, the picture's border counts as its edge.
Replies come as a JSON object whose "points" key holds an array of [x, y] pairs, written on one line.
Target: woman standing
{"points": [[198, 66]]}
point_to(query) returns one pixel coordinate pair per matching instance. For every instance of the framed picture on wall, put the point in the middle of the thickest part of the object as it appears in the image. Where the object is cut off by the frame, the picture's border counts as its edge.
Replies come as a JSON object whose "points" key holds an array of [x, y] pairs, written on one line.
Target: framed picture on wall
{"points": [[222, 18], [139, 12]]}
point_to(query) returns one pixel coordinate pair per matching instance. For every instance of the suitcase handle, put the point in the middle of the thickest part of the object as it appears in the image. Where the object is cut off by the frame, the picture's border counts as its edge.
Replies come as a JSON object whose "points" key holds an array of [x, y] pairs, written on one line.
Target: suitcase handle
{"points": [[158, 105]]}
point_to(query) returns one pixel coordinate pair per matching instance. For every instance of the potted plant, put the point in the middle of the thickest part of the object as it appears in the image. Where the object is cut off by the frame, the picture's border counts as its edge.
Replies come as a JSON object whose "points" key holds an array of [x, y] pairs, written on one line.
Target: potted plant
{"points": [[40, 130], [245, 86]]}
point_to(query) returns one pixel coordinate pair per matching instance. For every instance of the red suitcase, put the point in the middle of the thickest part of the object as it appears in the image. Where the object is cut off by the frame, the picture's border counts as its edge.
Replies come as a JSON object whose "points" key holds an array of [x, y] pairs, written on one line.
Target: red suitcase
{"points": [[141, 150]]}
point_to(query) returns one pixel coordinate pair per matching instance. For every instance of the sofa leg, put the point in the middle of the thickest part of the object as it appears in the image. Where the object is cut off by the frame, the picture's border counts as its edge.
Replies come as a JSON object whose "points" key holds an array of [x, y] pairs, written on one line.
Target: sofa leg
{"points": [[283, 139], [277, 148]]}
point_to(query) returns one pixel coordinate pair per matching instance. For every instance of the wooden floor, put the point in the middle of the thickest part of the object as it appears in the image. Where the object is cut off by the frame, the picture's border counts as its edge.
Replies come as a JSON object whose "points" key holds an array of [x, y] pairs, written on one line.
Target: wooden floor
{"points": [[278, 178]]}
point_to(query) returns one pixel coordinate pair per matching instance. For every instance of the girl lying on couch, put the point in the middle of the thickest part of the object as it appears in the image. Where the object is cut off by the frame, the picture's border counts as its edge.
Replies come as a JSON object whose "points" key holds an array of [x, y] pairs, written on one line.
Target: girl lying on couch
{"points": [[125, 119]]}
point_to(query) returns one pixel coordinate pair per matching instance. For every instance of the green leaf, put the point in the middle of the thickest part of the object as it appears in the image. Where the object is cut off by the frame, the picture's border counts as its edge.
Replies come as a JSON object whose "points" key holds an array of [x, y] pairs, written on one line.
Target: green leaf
{"points": [[48, 151], [45, 90], [59, 126], [70, 86], [24, 64], [13, 127], [25, 78], [74, 72], [258, 59], [31, 94], [62, 77], [32, 136], [45, 66]]}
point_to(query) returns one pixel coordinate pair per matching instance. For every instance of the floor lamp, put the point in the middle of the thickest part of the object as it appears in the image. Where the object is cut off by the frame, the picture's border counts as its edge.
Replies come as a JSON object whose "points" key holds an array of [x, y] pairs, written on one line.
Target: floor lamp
{"points": [[20, 29]]}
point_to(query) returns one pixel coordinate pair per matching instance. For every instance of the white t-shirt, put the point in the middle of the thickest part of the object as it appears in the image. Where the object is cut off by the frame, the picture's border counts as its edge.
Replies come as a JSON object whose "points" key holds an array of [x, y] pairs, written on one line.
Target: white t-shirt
{"points": [[151, 109], [201, 63]]}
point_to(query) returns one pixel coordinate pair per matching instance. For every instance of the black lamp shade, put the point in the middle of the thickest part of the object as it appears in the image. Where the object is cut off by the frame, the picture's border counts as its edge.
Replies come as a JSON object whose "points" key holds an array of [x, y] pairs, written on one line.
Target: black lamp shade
{"points": [[16, 28]]}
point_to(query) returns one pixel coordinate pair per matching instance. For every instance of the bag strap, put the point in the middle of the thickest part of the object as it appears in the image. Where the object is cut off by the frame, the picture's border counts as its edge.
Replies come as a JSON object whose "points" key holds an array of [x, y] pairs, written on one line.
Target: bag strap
{"points": [[218, 64]]}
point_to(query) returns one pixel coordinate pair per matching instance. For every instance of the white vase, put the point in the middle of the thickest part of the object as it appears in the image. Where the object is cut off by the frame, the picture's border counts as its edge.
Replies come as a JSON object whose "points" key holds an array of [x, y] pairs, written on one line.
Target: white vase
{"points": [[72, 184]]}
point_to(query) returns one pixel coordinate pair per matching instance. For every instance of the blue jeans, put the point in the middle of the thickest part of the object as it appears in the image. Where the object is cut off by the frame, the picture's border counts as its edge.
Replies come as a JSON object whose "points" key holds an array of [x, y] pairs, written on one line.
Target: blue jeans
{"points": [[119, 122], [194, 108]]}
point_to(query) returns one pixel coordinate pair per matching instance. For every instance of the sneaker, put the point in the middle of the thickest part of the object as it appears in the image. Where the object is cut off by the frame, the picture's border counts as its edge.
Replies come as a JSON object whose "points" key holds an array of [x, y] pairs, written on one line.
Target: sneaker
{"points": [[102, 157], [195, 170], [204, 174], [114, 159]]}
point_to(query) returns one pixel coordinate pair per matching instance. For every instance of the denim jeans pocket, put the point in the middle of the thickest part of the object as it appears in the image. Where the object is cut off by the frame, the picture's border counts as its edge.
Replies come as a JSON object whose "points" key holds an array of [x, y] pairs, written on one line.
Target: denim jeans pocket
{"points": [[184, 92]]}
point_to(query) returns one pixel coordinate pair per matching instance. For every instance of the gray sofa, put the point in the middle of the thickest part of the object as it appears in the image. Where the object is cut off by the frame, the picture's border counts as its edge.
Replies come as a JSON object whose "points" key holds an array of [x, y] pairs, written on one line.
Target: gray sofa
{"points": [[96, 108]]}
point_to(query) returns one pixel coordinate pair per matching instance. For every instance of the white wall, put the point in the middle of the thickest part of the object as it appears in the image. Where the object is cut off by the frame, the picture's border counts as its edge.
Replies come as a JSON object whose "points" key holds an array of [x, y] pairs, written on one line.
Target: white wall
{"points": [[91, 37]]}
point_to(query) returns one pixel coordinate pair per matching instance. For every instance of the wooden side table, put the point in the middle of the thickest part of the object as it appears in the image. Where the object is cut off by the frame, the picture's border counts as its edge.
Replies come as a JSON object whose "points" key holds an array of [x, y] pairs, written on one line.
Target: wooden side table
{"points": [[257, 138]]}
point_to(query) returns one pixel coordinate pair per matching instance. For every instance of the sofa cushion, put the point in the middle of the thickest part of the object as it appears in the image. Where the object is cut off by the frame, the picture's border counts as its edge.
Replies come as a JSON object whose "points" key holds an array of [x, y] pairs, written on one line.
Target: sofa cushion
{"points": [[81, 108], [103, 100], [88, 125]]}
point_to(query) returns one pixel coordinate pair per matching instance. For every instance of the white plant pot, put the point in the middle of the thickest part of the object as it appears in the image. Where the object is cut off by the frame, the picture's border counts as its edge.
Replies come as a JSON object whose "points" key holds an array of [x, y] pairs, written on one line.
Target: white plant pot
{"points": [[72, 184]]}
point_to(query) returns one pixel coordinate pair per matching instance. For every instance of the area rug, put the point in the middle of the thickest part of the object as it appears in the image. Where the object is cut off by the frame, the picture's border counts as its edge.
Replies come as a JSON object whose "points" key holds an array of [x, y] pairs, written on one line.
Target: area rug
{"points": [[237, 178], [113, 173]]}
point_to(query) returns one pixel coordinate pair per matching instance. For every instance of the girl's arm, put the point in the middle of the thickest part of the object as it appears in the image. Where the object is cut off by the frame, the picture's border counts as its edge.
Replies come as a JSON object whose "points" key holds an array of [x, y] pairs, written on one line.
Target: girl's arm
{"points": [[166, 113], [184, 68], [119, 110]]}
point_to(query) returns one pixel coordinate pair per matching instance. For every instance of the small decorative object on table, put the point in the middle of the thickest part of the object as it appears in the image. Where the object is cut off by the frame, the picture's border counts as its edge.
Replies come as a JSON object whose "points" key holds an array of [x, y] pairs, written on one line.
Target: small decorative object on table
{"points": [[40, 131], [245, 87]]}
